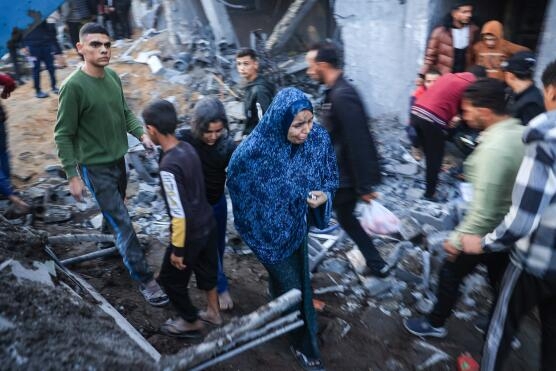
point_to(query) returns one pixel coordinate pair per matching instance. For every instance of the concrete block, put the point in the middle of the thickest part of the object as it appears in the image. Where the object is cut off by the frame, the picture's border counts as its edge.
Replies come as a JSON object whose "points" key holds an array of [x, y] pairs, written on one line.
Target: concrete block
{"points": [[442, 222], [40, 275], [409, 228], [376, 286], [96, 221]]}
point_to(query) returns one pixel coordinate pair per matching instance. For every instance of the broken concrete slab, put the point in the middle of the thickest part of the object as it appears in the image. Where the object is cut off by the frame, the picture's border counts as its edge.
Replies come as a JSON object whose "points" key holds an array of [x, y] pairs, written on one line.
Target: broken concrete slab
{"points": [[376, 286], [155, 65], [334, 265], [442, 221], [409, 228], [40, 275], [96, 221]]}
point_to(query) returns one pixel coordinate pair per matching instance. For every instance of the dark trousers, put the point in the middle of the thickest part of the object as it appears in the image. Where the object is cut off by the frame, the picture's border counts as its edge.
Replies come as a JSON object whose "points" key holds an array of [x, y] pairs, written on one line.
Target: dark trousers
{"points": [[5, 183], [293, 273], [16, 65], [107, 184], [520, 292], [220, 211], [452, 275], [432, 138], [345, 201], [200, 256], [42, 53], [122, 26]]}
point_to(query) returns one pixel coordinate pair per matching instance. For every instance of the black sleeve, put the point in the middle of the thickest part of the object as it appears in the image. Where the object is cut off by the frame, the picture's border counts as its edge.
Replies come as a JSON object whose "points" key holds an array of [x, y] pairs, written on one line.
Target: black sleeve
{"points": [[264, 97], [358, 141], [529, 112]]}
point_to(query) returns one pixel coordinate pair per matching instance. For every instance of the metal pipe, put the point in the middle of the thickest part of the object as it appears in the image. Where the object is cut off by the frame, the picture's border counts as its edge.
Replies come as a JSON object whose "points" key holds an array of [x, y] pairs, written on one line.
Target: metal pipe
{"points": [[247, 346], [90, 256]]}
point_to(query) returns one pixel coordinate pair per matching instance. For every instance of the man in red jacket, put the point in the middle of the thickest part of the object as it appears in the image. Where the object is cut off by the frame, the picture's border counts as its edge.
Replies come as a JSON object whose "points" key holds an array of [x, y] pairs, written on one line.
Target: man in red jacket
{"points": [[434, 114]]}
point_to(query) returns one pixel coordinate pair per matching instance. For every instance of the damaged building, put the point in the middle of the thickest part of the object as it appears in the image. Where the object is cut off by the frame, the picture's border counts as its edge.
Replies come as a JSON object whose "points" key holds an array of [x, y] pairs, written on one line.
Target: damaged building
{"points": [[384, 40]]}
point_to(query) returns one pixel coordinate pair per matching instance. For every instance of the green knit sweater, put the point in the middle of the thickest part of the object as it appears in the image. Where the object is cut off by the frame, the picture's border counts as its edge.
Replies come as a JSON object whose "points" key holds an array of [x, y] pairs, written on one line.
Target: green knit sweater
{"points": [[93, 121]]}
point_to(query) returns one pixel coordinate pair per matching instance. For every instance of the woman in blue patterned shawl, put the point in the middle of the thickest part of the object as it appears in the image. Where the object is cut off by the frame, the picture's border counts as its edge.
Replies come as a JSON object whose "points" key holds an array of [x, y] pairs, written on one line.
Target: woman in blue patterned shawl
{"points": [[280, 179]]}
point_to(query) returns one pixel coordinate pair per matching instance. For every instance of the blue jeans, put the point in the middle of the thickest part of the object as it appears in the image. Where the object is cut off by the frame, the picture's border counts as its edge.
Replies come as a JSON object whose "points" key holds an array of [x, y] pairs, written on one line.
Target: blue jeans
{"points": [[107, 184], [5, 184], [220, 209], [42, 53]]}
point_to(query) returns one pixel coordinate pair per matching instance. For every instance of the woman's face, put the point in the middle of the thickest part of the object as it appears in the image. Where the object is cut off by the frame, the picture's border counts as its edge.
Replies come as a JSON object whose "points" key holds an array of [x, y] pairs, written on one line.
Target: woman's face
{"points": [[300, 127], [213, 133]]}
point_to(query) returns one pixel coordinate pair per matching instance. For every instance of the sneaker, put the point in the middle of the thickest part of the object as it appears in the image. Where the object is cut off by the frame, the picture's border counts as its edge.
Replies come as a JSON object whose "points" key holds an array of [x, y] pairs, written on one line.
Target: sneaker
{"points": [[55, 90], [153, 294], [41, 94], [421, 327]]}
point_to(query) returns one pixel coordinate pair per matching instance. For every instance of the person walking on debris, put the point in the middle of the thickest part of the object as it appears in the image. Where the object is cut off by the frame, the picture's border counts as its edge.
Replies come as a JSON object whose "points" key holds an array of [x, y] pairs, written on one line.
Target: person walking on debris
{"points": [[436, 113], [492, 50], [281, 179], [193, 236], [344, 117], [525, 101], [491, 170], [6, 189], [449, 48], [41, 44], [209, 136], [258, 91], [90, 133], [529, 232]]}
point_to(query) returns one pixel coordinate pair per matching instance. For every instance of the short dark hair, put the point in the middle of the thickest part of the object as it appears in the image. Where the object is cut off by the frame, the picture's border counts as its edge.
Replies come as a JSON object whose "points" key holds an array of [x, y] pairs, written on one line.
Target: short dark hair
{"points": [[459, 4], [479, 71], [90, 28], [207, 110], [247, 52], [433, 71], [162, 115], [328, 52], [487, 93], [549, 75]]}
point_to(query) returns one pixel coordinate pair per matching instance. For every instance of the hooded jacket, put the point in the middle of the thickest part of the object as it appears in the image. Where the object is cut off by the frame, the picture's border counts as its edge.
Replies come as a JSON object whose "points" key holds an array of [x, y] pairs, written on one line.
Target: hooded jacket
{"points": [[491, 58], [440, 47], [257, 91]]}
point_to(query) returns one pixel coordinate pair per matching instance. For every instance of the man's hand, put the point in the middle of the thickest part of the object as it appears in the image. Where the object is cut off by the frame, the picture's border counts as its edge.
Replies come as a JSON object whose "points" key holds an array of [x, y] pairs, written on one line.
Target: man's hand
{"points": [[316, 198], [451, 250], [369, 197], [455, 122], [147, 142], [8, 83], [472, 244], [177, 261], [77, 188]]}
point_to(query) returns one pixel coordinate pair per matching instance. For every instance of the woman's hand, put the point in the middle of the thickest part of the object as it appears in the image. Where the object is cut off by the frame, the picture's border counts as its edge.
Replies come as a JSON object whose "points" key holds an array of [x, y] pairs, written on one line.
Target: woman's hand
{"points": [[316, 198]]}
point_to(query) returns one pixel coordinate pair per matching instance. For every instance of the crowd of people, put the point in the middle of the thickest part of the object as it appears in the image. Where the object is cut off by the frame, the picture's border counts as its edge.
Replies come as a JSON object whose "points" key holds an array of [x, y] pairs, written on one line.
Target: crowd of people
{"points": [[289, 173]]}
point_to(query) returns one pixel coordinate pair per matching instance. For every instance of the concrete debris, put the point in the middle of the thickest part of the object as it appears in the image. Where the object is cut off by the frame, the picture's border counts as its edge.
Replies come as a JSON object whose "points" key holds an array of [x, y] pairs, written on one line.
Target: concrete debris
{"points": [[357, 261], [335, 330], [376, 286], [409, 228], [155, 65], [6, 324], [42, 273], [437, 356], [334, 265]]}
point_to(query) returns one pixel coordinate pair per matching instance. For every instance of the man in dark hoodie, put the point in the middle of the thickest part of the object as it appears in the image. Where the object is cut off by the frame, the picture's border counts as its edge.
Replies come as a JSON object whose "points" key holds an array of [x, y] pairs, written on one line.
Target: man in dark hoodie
{"points": [[343, 115], [40, 42], [449, 48], [258, 91], [525, 101]]}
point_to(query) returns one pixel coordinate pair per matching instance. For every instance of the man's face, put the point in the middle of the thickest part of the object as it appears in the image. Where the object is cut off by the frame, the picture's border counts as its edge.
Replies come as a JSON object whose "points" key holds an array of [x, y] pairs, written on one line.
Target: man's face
{"points": [[472, 115], [214, 132], [430, 79], [247, 67], [153, 134], [95, 49], [489, 40], [313, 69], [463, 14]]}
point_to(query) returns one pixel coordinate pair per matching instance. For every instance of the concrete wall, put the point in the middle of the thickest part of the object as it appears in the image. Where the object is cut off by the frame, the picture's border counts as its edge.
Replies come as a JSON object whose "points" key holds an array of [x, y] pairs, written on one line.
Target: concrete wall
{"points": [[547, 46], [384, 42]]}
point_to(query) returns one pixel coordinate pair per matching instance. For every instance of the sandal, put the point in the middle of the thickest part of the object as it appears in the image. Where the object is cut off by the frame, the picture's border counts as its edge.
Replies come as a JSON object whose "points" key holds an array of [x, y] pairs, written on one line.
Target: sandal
{"points": [[169, 328], [306, 363], [203, 317]]}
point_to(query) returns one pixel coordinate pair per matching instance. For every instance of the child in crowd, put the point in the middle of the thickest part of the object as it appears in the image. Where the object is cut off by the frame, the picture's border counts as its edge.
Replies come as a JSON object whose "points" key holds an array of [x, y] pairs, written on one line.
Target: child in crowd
{"points": [[193, 237]]}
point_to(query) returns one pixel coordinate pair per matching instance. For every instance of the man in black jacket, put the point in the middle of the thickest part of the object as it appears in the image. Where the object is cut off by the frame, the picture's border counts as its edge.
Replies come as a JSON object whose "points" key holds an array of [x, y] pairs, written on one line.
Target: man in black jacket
{"points": [[526, 100], [344, 116], [258, 91]]}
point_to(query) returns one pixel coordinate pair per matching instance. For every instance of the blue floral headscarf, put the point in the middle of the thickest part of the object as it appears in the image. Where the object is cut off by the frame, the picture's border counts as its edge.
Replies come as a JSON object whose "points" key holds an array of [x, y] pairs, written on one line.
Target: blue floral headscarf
{"points": [[269, 179]]}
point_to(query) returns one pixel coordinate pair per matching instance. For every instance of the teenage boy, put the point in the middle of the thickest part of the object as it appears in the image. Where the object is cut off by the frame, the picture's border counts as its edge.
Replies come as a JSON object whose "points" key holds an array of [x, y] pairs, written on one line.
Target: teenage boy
{"points": [[258, 91], [193, 237]]}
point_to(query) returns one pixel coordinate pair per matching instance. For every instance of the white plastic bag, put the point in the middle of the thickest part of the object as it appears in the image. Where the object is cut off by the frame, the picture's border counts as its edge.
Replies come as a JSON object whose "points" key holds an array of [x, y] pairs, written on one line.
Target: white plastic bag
{"points": [[376, 219]]}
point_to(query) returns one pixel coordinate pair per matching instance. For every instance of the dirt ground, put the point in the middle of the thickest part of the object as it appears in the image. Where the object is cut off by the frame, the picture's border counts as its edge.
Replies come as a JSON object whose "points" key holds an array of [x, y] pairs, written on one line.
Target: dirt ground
{"points": [[375, 341]]}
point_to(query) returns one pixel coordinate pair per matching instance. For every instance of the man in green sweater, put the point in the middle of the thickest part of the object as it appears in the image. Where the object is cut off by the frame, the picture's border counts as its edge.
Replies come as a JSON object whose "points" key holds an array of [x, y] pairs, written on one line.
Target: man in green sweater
{"points": [[491, 169], [91, 136]]}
